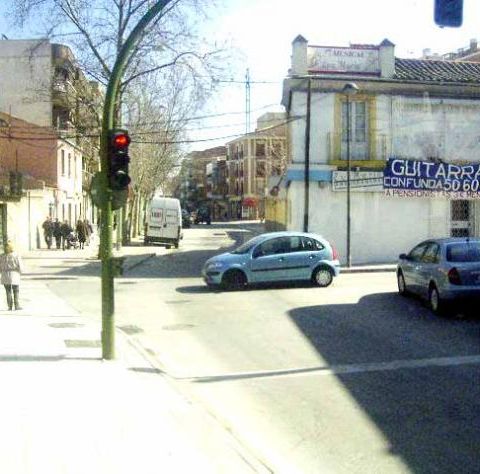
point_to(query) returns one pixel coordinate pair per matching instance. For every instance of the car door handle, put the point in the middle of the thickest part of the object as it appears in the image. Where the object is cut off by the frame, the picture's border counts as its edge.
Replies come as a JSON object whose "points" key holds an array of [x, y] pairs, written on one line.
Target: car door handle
{"points": [[311, 257], [281, 259]]}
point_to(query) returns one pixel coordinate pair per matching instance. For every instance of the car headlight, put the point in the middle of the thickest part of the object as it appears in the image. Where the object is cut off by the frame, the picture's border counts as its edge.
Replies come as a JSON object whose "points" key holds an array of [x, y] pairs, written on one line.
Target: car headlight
{"points": [[214, 265]]}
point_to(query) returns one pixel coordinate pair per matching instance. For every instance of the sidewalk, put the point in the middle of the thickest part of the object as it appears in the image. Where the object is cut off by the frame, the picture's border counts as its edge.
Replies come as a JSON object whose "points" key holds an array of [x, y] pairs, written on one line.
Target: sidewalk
{"points": [[135, 253], [64, 410]]}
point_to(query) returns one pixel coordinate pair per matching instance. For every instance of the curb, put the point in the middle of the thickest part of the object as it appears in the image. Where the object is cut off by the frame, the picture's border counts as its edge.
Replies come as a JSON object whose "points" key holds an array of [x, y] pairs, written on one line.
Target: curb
{"points": [[367, 270]]}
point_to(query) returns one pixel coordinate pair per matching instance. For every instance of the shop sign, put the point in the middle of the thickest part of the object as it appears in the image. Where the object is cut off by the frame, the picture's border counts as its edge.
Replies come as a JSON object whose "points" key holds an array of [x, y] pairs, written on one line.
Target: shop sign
{"points": [[416, 175], [360, 181], [338, 59]]}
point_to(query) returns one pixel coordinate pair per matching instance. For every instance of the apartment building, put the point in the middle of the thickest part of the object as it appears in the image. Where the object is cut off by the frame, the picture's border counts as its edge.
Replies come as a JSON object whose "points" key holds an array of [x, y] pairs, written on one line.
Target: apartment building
{"points": [[251, 160]]}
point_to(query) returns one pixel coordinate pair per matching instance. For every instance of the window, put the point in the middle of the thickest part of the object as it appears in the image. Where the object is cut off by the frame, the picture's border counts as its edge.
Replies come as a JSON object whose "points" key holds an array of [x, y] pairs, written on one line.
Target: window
{"points": [[311, 245], [259, 149], [431, 254], [63, 162], [358, 122], [260, 169], [272, 247], [416, 253], [69, 165], [463, 252], [296, 244]]}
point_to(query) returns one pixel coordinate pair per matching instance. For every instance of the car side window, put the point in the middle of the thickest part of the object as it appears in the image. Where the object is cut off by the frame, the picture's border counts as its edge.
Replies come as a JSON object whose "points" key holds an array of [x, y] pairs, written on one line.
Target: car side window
{"points": [[268, 247], [432, 253], [311, 245], [296, 244], [417, 252]]}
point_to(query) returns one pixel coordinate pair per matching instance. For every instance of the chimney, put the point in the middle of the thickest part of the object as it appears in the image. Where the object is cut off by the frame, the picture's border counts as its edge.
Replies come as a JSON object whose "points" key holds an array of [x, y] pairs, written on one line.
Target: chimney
{"points": [[387, 59], [299, 56], [473, 45]]}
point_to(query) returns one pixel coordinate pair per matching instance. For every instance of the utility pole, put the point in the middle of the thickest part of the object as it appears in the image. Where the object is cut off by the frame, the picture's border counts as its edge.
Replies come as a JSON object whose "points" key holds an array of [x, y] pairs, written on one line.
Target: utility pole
{"points": [[108, 123], [306, 206], [247, 102]]}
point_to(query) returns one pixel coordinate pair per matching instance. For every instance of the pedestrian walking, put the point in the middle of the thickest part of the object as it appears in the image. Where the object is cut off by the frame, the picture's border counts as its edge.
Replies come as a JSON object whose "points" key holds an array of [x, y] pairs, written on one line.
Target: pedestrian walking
{"points": [[48, 231], [11, 268], [57, 233], [81, 230], [89, 228], [66, 230]]}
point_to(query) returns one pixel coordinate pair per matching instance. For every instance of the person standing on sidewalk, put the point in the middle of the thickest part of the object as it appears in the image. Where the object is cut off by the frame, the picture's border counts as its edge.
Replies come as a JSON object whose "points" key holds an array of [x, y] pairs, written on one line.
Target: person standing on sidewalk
{"points": [[65, 230], [57, 233], [48, 231], [11, 268], [81, 233]]}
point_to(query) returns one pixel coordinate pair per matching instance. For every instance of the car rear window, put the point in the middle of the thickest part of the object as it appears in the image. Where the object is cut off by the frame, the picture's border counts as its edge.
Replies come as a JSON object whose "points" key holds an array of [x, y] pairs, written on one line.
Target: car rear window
{"points": [[464, 252]]}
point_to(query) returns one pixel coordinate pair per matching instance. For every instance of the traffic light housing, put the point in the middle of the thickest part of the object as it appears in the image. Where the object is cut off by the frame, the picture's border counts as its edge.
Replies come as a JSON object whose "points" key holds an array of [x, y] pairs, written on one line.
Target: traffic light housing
{"points": [[448, 12], [118, 160]]}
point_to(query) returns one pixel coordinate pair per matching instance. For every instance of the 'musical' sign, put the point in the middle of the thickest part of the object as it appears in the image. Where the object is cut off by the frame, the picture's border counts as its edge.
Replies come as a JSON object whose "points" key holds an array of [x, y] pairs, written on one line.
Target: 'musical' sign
{"points": [[429, 176]]}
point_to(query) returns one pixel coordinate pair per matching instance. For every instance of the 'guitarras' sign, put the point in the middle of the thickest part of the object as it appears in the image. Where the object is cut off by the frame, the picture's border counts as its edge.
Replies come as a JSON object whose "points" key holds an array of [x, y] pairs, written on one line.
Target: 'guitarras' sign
{"points": [[428, 176]]}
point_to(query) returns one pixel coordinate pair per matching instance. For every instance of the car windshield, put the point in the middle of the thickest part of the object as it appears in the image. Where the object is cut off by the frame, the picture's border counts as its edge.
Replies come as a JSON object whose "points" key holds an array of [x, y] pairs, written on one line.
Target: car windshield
{"points": [[247, 246], [464, 252]]}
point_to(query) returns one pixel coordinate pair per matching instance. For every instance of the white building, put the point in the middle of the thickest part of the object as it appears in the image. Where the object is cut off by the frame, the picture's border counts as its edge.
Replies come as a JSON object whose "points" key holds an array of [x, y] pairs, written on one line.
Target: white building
{"points": [[425, 110]]}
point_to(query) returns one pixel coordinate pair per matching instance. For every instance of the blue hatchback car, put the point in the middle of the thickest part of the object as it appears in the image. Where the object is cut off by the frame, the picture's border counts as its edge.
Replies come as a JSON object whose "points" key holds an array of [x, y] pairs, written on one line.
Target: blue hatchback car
{"points": [[441, 271], [274, 257]]}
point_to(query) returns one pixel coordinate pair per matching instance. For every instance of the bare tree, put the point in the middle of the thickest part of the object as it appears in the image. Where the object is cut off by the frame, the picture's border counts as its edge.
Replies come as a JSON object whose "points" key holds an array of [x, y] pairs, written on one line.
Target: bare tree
{"points": [[156, 123], [97, 29], [171, 61]]}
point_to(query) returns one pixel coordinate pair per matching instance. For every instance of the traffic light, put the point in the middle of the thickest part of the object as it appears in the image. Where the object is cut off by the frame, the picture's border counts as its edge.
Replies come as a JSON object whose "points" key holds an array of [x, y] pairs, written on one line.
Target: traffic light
{"points": [[118, 159], [448, 12]]}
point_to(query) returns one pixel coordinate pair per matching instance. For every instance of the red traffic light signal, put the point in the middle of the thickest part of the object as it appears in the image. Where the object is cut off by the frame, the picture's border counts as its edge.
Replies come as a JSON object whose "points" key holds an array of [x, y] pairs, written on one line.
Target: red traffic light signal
{"points": [[120, 139], [118, 160]]}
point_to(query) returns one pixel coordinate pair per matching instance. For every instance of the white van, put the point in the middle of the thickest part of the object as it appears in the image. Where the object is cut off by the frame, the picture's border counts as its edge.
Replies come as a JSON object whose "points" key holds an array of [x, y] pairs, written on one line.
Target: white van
{"points": [[163, 222]]}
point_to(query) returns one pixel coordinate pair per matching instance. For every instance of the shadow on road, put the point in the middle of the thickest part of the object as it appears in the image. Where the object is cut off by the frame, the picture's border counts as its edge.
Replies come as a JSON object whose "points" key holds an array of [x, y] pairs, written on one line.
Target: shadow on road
{"points": [[421, 365]]}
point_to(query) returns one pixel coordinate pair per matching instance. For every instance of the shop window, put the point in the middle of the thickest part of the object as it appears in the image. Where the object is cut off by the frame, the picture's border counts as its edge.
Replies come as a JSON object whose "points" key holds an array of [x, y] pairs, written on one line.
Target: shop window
{"points": [[260, 149]]}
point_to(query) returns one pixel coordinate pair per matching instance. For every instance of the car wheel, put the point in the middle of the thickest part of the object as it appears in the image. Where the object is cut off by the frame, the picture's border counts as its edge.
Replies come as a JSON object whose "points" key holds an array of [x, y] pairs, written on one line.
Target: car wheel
{"points": [[176, 244], [234, 280], [322, 277], [402, 287], [168, 247], [434, 300]]}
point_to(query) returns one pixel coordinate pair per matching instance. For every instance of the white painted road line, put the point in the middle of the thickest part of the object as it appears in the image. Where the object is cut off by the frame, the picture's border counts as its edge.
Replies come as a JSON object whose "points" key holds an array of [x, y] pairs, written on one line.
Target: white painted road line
{"points": [[342, 369]]}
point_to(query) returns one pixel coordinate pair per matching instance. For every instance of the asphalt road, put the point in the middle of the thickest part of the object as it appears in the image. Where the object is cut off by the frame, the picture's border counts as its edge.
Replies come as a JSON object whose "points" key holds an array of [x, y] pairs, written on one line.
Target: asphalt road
{"points": [[350, 378]]}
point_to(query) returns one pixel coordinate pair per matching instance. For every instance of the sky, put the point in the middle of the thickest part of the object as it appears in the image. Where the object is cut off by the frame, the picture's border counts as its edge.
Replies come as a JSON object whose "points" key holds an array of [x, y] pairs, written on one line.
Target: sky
{"points": [[261, 31]]}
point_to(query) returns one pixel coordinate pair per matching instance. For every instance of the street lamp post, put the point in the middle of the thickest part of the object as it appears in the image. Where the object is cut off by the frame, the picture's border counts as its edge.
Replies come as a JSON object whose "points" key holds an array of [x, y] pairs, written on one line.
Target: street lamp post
{"points": [[349, 89]]}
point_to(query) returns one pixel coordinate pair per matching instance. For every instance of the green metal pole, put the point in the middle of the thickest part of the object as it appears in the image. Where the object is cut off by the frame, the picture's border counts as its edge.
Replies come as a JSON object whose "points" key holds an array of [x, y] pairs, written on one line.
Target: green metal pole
{"points": [[108, 301]]}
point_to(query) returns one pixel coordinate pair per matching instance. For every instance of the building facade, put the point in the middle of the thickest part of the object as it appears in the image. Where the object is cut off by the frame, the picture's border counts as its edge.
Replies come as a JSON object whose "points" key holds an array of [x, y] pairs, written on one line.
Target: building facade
{"points": [[252, 159], [198, 182], [425, 111], [50, 171]]}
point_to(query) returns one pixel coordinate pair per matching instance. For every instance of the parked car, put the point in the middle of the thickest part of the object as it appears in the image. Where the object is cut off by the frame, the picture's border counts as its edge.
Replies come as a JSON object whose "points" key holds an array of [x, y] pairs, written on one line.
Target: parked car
{"points": [[272, 257], [186, 219], [203, 215], [441, 271]]}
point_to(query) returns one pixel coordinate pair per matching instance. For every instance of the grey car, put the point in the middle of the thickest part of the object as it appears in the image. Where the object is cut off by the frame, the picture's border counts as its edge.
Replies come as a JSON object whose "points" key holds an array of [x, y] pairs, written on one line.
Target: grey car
{"points": [[273, 257], [441, 271]]}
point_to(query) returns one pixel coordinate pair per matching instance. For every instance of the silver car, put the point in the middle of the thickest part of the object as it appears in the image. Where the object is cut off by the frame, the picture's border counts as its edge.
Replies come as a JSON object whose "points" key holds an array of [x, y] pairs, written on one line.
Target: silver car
{"points": [[273, 257], [441, 271]]}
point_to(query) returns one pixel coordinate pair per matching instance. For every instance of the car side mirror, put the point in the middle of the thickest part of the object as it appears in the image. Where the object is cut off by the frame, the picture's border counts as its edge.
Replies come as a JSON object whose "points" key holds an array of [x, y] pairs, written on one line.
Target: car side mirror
{"points": [[403, 256]]}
